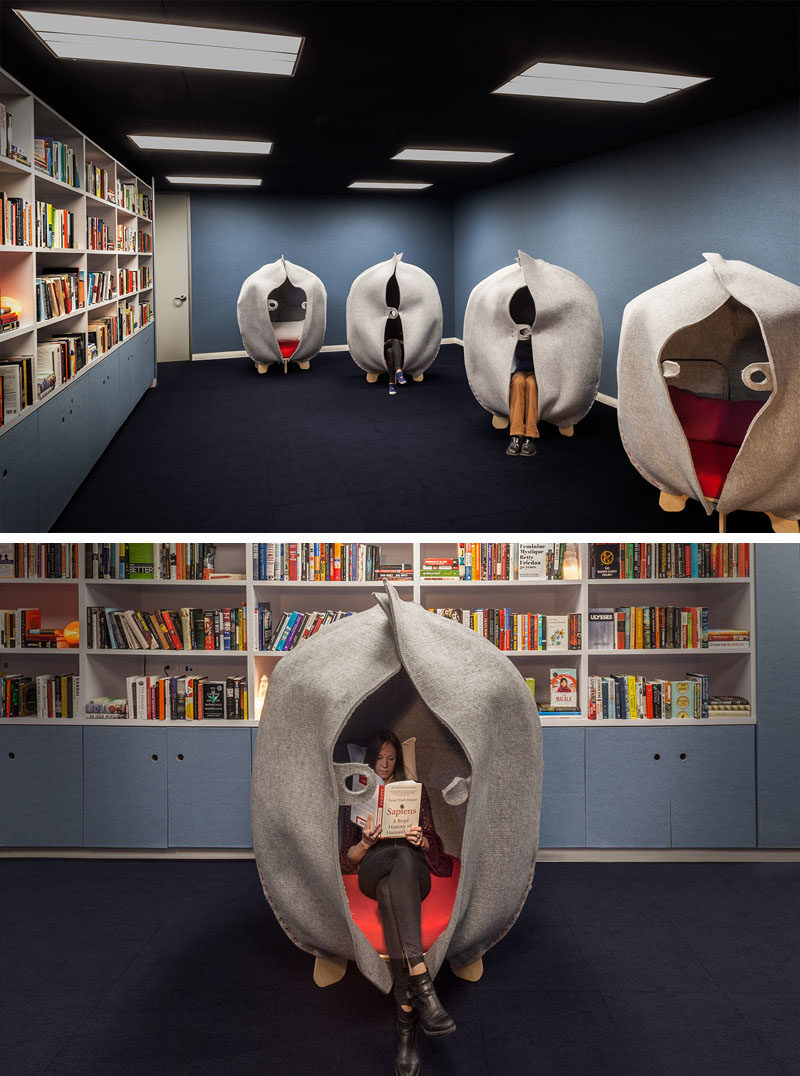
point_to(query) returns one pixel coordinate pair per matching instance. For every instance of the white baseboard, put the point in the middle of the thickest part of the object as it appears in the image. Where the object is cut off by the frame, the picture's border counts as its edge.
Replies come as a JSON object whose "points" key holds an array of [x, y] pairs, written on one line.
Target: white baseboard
{"points": [[546, 855], [201, 356]]}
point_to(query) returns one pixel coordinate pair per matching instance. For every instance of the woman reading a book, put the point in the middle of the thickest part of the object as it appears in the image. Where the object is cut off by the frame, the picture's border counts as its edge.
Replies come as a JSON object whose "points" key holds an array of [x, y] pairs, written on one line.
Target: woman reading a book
{"points": [[397, 873]]}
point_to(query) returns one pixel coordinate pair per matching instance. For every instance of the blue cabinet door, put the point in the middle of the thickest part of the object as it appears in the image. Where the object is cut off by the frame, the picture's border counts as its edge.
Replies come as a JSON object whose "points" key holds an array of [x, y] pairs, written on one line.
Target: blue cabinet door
{"points": [[209, 788], [627, 788], [143, 363], [103, 403], [19, 475], [125, 787], [124, 366], [41, 795], [563, 789], [63, 449], [713, 787]]}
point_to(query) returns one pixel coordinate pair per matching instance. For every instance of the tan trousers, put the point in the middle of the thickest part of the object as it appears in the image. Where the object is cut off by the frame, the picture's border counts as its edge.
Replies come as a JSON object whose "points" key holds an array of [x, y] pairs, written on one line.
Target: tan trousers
{"points": [[523, 409]]}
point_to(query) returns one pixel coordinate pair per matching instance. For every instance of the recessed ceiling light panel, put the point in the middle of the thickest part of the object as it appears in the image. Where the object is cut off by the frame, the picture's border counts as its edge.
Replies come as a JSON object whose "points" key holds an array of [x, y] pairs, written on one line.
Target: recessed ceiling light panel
{"points": [[460, 156], [595, 83], [214, 181], [200, 145], [83, 37], [377, 185]]}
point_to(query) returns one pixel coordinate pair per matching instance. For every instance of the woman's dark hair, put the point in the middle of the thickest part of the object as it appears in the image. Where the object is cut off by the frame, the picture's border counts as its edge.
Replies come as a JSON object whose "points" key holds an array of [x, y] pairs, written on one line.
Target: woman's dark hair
{"points": [[374, 746]]}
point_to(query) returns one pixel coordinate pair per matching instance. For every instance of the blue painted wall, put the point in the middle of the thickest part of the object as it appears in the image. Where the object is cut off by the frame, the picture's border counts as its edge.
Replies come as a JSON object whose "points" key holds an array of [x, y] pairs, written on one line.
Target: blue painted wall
{"points": [[778, 691], [627, 220], [335, 237]]}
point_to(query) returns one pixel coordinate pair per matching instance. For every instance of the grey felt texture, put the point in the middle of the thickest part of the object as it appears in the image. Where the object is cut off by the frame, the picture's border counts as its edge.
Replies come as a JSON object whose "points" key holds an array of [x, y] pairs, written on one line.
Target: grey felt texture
{"points": [[714, 309], [469, 708], [566, 339], [258, 334], [420, 312]]}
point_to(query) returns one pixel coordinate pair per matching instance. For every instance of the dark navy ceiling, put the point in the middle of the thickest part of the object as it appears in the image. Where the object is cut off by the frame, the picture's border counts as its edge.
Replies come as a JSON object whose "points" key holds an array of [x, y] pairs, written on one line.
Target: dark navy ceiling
{"points": [[374, 77]]}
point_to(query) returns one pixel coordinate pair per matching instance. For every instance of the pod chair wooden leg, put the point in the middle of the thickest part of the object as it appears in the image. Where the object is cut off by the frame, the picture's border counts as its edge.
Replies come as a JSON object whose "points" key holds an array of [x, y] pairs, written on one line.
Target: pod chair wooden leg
{"points": [[329, 970], [304, 365], [286, 366], [471, 972], [672, 502], [722, 518], [500, 422], [784, 526], [262, 367], [566, 431], [372, 378], [418, 377]]}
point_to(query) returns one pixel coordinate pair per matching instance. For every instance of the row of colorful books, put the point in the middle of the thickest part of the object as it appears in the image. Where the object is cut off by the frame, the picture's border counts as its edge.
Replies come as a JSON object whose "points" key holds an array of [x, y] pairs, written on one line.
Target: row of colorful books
{"points": [[292, 626], [22, 628], [47, 695], [319, 562], [669, 560], [653, 627], [177, 698], [136, 561], [59, 292], [56, 159], [520, 631], [39, 560], [505, 561], [16, 221], [54, 227], [98, 182], [621, 697], [131, 198], [166, 629]]}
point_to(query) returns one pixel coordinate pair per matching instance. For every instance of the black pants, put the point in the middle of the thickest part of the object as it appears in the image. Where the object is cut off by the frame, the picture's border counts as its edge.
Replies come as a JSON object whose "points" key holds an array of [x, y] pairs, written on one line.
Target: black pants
{"points": [[393, 356], [398, 877]]}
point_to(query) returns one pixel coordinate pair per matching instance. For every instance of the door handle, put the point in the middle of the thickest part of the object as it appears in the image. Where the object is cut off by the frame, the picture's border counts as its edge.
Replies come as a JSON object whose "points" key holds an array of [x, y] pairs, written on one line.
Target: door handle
{"points": [[179, 298]]}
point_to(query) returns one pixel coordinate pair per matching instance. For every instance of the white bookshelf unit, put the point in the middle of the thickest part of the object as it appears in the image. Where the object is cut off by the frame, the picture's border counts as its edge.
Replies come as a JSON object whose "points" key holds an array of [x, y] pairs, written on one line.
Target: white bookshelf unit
{"points": [[731, 602], [48, 446]]}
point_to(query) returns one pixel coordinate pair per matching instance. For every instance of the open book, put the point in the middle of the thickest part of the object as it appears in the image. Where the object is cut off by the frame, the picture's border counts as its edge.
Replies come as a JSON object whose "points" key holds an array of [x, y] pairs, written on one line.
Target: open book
{"points": [[394, 807]]}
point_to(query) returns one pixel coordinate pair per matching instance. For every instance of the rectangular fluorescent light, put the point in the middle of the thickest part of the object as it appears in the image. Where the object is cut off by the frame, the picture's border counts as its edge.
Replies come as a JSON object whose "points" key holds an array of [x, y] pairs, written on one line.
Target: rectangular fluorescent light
{"points": [[595, 83], [465, 156], [83, 37], [376, 186], [214, 181], [200, 145]]}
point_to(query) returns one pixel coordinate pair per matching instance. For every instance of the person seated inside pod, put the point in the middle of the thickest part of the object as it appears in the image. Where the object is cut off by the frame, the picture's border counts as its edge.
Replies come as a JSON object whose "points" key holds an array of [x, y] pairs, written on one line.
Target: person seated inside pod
{"points": [[393, 353], [396, 872], [715, 371], [523, 400], [287, 312]]}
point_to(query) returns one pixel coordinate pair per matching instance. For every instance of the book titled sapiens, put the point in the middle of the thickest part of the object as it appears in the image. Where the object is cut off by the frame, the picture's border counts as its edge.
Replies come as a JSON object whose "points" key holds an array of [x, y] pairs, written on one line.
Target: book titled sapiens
{"points": [[394, 807]]}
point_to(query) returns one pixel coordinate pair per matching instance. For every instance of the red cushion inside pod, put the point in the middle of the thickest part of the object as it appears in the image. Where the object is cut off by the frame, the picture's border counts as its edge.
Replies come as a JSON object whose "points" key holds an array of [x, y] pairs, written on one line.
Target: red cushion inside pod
{"points": [[436, 909], [288, 347]]}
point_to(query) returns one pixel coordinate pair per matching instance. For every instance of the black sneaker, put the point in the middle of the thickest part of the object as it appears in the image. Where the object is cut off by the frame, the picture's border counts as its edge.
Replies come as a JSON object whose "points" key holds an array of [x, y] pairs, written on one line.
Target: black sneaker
{"points": [[514, 446], [528, 447]]}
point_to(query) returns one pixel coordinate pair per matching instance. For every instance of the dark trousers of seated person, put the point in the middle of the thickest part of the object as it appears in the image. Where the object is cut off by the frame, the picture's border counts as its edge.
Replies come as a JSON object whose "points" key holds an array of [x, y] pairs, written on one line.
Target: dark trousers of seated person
{"points": [[397, 876], [393, 356], [523, 404]]}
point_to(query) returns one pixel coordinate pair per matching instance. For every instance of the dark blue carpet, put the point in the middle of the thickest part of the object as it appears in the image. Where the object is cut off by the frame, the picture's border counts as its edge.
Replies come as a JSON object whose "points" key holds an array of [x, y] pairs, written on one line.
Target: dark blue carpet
{"points": [[132, 966], [216, 446]]}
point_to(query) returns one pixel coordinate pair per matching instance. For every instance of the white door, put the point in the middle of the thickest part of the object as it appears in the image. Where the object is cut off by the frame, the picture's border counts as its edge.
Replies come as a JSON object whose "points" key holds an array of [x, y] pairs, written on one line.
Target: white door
{"points": [[173, 281]]}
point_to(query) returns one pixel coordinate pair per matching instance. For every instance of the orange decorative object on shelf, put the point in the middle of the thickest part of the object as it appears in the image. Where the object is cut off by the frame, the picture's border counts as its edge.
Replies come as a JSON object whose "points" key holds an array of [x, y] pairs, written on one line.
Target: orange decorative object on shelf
{"points": [[10, 312], [68, 636]]}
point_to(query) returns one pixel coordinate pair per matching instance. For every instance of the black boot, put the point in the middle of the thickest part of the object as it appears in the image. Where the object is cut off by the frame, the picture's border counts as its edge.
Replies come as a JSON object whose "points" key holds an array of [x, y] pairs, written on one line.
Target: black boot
{"points": [[406, 1058], [435, 1021], [528, 447], [514, 446]]}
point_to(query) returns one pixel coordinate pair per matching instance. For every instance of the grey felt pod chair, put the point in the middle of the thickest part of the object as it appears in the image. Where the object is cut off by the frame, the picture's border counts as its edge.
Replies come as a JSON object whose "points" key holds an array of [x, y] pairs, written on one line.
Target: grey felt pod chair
{"points": [[281, 315], [478, 751], [709, 390], [566, 337], [394, 300]]}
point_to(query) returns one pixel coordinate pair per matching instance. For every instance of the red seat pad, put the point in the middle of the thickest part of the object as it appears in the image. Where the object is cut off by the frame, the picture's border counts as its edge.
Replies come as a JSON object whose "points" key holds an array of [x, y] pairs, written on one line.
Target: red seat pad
{"points": [[436, 909], [712, 462], [288, 347], [705, 419]]}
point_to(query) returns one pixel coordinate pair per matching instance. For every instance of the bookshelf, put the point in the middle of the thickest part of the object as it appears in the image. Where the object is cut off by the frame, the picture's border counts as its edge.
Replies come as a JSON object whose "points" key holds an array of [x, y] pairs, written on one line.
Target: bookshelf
{"points": [[77, 219], [103, 672], [177, 783]]}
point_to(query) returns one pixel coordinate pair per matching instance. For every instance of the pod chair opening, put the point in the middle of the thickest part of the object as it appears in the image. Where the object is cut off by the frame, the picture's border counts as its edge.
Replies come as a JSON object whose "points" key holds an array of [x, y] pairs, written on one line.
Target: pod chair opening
{"points": [[436, 758], [287, 311], [522, 310], [719, 377]]}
